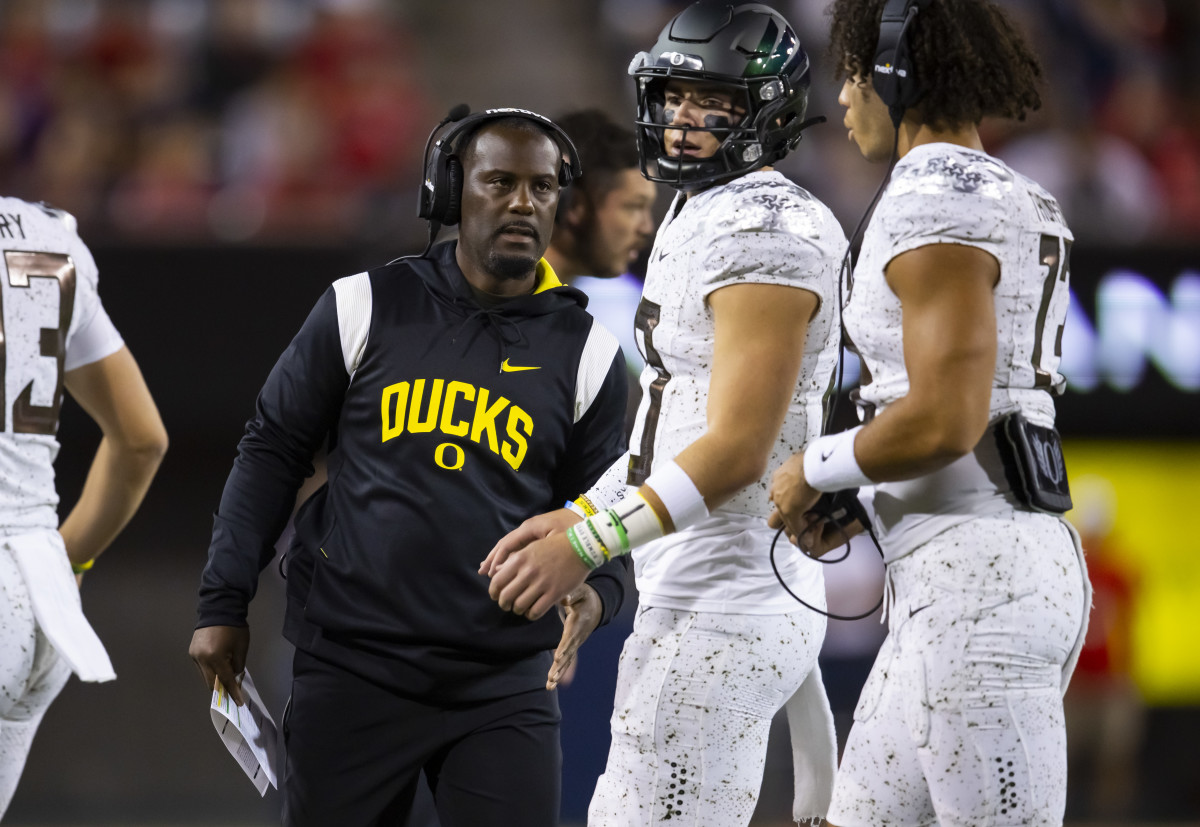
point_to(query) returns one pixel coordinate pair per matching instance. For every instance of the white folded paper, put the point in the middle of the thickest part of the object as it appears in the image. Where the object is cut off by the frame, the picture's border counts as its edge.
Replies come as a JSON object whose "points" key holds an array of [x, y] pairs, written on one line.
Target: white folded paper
{"points": [[248, 732]]}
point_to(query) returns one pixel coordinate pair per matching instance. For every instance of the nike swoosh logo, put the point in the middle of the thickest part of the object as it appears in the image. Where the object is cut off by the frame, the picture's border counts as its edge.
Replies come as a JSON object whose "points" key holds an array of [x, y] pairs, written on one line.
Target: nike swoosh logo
{"points": [[826, 455], [912, 612], [507, 368]]}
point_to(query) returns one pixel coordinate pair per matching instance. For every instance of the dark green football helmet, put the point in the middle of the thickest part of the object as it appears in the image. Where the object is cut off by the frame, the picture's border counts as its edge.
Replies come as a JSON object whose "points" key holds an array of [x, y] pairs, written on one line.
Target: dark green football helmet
{"points": [[748, 47]]}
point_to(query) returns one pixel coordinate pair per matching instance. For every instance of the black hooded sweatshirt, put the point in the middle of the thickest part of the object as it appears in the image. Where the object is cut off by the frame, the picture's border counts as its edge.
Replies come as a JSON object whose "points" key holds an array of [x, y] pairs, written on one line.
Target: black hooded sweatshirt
{"points": [[447, 423]]}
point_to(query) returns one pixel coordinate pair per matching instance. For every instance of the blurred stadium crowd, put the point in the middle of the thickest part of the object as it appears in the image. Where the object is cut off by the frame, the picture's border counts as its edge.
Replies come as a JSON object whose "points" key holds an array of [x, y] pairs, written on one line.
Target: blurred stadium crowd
{"points": [[303, 121]]}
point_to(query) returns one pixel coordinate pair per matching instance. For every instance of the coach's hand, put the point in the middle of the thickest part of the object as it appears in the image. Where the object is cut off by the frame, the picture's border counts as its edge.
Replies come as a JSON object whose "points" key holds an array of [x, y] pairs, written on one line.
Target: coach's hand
{"points": [[220, 654], [581, 610], [533, 529], [537, 576]]}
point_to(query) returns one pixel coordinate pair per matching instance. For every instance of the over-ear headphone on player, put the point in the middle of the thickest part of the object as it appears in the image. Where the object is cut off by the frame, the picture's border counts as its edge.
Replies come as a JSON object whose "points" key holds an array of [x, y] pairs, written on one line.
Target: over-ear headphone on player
{"points": [[893, 77], [440, 199]]}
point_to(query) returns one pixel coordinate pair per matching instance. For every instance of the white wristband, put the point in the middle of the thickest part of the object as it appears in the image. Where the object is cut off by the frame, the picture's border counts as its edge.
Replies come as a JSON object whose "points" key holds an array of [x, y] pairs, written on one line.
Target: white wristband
{"points": [[679, 494], [830, 465], [640, 523]]}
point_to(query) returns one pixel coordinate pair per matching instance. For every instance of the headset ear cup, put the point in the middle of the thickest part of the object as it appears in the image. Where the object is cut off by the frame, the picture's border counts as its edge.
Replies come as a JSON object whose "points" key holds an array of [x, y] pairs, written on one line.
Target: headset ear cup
{"points": [[454, 184]]}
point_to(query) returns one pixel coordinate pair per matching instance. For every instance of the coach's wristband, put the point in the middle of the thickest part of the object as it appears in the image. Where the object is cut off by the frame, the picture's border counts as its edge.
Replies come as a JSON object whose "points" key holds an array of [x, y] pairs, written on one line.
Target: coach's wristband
{"points": [[830, 465], [684, 502]]}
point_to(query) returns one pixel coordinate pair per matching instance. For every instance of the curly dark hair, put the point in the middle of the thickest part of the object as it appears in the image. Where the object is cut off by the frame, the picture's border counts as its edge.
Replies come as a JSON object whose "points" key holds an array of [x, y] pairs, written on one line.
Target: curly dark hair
{"points": [[970, 58]]}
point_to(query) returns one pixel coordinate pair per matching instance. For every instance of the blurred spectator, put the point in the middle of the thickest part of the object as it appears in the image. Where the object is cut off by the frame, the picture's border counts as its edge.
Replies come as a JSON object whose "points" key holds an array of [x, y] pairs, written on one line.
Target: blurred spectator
{"points": [[1108, 190], [300, 116], [288, 120], [1104, 711]]}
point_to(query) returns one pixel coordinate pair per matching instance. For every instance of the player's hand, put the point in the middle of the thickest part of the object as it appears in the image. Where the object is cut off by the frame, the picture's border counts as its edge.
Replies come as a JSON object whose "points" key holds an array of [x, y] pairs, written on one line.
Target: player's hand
{"points": [[819, 536], [792, 497], [537, 576], [533, 529], [581, 615], [220, 655]]}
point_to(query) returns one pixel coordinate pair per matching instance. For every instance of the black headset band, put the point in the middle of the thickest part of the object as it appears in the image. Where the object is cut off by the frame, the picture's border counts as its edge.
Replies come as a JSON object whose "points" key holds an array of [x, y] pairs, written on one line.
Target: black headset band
{"points": [[440, 197], [448, 143]]}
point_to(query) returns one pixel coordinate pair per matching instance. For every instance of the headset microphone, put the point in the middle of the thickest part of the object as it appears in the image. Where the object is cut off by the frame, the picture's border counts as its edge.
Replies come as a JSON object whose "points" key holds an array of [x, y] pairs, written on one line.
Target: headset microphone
{"points": [[456, 113]]}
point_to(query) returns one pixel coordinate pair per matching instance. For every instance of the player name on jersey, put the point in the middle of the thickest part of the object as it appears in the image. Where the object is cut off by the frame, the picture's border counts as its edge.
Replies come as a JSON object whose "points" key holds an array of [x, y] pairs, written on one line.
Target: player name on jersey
{"points": [[10, 225]]}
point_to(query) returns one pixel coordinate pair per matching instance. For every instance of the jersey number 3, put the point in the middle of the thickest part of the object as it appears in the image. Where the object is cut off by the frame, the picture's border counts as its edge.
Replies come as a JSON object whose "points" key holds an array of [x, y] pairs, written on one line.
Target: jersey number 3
{"points": [[47, 342]]}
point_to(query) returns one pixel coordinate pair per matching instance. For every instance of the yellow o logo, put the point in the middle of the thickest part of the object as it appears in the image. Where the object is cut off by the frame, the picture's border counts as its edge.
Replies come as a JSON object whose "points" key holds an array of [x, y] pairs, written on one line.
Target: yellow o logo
{"points": [[460, 456]]}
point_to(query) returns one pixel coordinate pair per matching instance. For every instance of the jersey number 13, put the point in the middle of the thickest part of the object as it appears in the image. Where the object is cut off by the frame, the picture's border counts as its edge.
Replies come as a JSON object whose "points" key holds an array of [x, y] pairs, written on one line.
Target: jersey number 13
{"points": [[22, 332]]}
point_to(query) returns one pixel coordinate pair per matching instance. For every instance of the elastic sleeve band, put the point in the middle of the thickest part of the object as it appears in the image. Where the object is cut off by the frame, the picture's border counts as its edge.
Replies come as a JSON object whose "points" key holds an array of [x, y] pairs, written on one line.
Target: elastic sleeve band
{"points": [[830, 464], [679, 494]]}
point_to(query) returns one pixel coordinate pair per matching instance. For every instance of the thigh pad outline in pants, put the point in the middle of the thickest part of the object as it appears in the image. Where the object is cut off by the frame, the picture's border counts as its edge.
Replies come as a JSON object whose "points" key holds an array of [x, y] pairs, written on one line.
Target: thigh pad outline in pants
{"points": [[962, 713], [695, 696], [31, 676]]}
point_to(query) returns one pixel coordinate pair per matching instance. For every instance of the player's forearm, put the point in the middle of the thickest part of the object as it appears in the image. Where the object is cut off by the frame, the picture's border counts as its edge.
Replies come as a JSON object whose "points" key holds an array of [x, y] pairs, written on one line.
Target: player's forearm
{"points": [[722, 464], [909, 440], [116, 484]]}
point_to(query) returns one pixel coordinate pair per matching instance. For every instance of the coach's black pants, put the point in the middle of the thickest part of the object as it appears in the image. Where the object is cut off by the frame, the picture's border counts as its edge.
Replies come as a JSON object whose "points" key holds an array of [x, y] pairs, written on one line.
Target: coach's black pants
{"points": [[355, 751]]}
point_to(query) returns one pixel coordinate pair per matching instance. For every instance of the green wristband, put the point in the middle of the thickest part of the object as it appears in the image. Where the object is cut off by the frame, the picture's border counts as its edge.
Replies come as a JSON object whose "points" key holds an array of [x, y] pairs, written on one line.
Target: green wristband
{"points": [[579, 550], [590, 522]]}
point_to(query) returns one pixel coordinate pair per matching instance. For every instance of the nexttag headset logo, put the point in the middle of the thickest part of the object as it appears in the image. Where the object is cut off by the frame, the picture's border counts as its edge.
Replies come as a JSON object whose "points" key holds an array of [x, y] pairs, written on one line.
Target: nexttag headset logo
{"points": [[894, 81], [512, 110]]}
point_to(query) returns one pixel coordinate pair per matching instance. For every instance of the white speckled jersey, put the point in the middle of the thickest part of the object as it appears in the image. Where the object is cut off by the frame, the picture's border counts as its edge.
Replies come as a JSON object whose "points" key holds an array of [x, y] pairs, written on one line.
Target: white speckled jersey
{"points": [[763, 229], [946, 194], [52, 321]]}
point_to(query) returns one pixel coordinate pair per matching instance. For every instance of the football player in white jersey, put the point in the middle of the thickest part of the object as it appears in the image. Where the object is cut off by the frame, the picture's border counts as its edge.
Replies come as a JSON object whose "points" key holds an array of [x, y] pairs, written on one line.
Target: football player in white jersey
{"points": [[738, 327], [956, 307], [54, 334]]}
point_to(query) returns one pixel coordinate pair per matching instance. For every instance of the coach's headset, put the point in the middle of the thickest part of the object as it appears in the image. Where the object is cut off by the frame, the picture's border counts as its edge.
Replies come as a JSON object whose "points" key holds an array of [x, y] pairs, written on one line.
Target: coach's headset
{"points": [[440, 198]]}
